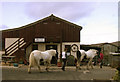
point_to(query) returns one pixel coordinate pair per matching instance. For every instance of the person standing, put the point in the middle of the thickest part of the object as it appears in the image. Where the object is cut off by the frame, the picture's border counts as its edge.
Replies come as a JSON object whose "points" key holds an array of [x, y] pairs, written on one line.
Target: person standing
{"points": [[64, 58], [101, 60]]}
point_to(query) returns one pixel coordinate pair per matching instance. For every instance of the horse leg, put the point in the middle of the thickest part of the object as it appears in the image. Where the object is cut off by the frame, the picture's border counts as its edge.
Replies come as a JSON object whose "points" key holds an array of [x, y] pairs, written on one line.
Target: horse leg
{"points": [[39, 66], [48, 66], [29, 69], [89, 64], [45, 63], [78, 65]]}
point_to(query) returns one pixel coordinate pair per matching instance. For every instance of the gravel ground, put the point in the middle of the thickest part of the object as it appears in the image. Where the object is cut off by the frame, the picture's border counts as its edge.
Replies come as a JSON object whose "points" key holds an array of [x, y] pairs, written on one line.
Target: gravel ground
{"points": [[55, 73]]}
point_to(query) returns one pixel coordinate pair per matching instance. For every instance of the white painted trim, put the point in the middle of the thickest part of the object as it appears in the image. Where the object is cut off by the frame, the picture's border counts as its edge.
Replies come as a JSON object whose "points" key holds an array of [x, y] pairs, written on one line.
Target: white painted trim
{"points": [[9, 41]]}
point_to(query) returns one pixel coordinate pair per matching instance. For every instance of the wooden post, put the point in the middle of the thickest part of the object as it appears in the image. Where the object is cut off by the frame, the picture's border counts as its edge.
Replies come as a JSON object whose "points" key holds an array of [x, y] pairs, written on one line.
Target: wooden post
{"points": [[61, 44]]}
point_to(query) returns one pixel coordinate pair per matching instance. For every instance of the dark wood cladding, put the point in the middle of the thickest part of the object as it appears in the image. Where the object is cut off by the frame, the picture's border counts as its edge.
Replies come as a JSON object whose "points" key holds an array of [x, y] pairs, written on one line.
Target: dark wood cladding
{"points": [[52, 28]]}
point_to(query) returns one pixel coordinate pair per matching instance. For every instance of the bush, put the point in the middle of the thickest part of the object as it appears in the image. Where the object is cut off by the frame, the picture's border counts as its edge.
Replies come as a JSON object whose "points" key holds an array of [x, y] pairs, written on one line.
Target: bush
{"points": [[70, 60]]}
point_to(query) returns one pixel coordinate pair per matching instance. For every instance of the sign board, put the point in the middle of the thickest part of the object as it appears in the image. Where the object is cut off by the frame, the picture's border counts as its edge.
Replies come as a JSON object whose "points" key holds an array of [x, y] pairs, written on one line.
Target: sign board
{"points": [[39, 40]]}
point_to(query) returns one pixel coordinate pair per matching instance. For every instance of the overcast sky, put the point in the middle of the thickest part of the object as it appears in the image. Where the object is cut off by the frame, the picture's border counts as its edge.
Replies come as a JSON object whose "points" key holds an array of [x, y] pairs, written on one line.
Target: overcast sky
{"points": [[98, 19]]}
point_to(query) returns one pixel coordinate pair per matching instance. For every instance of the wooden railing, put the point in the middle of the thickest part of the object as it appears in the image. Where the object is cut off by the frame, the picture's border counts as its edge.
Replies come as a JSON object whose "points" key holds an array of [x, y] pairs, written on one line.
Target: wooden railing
{"points": [[15, 46]]}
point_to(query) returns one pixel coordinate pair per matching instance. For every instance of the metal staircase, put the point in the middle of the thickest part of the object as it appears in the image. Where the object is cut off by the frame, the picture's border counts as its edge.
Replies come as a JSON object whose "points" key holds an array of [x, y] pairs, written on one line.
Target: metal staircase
{"points": [[15, 46]]}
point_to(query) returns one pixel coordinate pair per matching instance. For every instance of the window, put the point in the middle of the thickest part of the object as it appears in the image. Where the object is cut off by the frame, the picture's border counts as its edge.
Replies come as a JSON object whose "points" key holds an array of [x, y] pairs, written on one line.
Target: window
{"points": [[68, 47]]}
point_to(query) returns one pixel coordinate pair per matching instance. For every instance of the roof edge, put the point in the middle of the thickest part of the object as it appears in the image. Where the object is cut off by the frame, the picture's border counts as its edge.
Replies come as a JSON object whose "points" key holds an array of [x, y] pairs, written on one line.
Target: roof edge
{"points": [[33, 23]]}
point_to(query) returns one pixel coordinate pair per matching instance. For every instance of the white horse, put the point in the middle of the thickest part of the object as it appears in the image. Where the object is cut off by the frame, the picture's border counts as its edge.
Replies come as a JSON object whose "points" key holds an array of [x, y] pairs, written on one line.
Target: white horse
{"points": [[90, 54], [36, 55]]}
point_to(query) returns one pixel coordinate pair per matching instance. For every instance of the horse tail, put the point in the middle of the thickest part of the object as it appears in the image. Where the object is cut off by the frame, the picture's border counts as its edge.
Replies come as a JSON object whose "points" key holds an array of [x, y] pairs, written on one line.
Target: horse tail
{"points": [[32, 61]]}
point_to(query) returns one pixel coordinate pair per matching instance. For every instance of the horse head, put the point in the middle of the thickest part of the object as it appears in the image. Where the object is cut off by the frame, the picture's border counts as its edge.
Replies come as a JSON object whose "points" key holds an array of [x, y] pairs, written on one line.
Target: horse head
{"points": [[95, 51], [54, 53]]}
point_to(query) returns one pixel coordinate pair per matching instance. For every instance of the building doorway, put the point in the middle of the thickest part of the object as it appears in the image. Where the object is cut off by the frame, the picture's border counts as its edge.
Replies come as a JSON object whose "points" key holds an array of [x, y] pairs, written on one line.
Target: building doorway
{"points": [[48, 47]]}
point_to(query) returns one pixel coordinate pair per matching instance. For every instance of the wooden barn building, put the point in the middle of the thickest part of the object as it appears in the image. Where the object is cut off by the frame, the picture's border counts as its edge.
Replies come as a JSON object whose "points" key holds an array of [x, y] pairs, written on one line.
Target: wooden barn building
{"points": [[48, 33]]}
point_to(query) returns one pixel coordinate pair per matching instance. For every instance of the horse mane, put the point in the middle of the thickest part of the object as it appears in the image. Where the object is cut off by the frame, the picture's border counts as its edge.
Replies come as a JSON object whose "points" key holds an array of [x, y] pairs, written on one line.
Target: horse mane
{"points": [[91, 49], [94, 50]]}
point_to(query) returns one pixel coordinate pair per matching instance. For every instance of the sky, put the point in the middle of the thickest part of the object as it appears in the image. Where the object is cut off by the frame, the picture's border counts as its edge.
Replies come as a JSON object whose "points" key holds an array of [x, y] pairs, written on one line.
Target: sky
{"points": [[99, 19]]}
